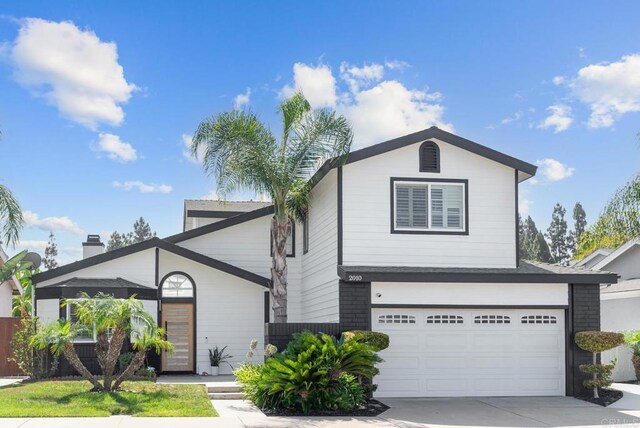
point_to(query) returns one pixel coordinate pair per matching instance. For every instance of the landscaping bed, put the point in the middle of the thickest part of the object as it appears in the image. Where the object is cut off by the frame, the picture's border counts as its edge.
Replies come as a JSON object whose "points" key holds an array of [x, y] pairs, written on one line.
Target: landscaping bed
{"points": [[607, 397], [67, 398], [372, 408]]}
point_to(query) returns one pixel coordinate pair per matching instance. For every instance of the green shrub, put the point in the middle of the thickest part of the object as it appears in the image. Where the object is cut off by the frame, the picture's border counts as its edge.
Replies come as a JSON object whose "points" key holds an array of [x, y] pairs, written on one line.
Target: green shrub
{"points": [[314, 372], [598, 341], [378, 341], [147, 372]]}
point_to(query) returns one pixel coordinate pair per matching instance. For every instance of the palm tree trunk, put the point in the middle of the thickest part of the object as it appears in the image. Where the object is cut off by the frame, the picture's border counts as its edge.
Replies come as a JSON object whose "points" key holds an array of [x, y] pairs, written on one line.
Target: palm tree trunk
{"points": [[110, 357], [279, 270], [71, 356], [131, 369]]}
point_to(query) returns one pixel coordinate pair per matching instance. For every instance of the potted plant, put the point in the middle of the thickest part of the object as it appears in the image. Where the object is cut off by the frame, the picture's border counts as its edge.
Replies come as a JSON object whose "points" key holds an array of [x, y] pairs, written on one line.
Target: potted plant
{"points": [[216, 357]]}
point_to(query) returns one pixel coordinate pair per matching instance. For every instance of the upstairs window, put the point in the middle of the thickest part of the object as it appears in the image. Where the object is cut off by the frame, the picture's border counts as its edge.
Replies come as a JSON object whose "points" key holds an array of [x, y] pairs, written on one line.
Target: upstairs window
{"points": [[429, 206], [429, 157]]}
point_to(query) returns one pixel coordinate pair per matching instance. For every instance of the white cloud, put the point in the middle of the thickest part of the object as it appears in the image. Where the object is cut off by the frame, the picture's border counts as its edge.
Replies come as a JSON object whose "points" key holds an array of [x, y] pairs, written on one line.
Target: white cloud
{"points": [[554, 170], [115, 148], [317, 84], [31, 245], [516, 117], [558, 80], [396, 65], [524, 206], [72, 69], [51, 224], [560, 118], [186, 151], [142, 187], [378, 109], [212, 195], [242, 100], [609, 89]]}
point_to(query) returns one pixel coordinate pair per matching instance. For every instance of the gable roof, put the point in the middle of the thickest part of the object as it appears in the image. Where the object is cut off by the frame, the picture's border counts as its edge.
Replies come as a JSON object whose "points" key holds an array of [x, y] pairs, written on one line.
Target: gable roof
{"points": [[603, 252], [526, 169], [222, 224], [145, 245], [622, 249], [527, 272], [217, 209], [76, 282]]}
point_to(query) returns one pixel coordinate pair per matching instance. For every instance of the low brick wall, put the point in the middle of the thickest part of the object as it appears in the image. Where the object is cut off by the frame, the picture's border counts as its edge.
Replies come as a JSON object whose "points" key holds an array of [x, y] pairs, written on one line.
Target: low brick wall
{"points": [[281, 334]]}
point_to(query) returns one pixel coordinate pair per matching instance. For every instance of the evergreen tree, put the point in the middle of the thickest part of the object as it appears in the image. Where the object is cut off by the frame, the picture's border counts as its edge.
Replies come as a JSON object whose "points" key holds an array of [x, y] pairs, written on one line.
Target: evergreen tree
{"points": [[117, 240], [533, 246], [50, 253], [579, 226], [141, 231], [541, 249], [558, 236]]}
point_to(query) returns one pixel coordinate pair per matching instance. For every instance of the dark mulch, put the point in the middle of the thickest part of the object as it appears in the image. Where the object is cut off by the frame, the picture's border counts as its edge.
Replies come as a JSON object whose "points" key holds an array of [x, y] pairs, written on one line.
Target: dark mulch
{"points": [[372, 408], [607, 397]]}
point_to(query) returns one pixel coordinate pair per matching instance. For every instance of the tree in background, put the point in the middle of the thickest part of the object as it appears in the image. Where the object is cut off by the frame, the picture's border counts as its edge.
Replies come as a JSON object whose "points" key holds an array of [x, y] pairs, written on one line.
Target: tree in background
{"points": [[241, 152], [50, 253], [618, 222], [141, 232], [579, 226], [557, 233], [533, 246]]}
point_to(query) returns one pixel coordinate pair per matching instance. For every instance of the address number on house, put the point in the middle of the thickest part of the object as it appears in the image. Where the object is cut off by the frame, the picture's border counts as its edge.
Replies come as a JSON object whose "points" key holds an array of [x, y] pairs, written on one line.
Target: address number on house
{"points": [[355, 277]]}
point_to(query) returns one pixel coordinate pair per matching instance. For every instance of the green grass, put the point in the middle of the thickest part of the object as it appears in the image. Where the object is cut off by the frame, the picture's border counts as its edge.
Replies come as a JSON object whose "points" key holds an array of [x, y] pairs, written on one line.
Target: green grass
{"points": [[72, 398]]}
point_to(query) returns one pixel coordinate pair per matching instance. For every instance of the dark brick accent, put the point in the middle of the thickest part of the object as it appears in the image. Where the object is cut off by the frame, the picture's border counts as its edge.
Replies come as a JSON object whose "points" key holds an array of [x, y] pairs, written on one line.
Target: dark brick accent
{"points": [[355, 305], [280, 334], [584, 315]]}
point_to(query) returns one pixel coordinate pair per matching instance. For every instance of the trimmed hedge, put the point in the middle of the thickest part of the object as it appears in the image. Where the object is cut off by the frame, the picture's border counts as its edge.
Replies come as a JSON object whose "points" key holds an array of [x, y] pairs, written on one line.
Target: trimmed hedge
{"points": [[598, 341], [378, 341]]}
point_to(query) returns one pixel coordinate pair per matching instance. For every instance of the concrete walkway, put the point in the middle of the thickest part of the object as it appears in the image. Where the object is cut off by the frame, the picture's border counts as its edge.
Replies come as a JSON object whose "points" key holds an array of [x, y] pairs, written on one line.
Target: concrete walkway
{"points": [[404, 413]]}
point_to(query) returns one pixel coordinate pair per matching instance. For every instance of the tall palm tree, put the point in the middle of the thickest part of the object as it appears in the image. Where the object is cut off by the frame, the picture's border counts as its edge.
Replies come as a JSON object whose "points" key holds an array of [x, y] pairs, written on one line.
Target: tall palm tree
{"points": [[11, 220], [240, 152]]}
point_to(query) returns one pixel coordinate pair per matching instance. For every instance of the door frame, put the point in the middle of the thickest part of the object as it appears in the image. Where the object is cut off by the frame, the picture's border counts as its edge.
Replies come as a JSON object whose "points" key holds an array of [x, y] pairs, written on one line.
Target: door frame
{"points": [[191, 300]]}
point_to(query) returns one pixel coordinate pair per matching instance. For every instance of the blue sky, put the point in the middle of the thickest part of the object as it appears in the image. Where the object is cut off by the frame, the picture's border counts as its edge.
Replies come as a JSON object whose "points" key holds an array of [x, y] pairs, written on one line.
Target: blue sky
{"points": [[96, 98]]}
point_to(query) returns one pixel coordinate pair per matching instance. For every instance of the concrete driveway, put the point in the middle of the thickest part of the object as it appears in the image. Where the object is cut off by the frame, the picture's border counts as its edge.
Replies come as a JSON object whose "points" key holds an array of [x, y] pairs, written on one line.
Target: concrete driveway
{"points": [[404, 413]]}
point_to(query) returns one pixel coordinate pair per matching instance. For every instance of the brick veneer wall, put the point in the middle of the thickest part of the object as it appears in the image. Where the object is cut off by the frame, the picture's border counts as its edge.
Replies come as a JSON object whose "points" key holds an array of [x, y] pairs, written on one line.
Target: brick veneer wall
{"points": [[585, 315], [355, 305]]}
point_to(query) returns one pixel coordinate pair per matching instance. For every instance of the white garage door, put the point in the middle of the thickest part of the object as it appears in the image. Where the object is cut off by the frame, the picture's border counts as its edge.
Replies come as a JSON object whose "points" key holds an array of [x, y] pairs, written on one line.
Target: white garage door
{"points": [[465, 353]]}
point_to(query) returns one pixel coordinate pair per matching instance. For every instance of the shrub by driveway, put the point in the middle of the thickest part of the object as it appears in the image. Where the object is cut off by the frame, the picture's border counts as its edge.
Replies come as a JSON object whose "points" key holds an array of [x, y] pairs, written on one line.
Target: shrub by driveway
{"points": [[73, 399]]}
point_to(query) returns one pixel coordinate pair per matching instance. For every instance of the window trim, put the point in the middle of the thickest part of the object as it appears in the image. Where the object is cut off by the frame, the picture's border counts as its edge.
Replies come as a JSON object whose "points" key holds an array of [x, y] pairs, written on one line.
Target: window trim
{"points": [[68, 318], [421, 167], [305, 234], [174, 299], [465, 206]]}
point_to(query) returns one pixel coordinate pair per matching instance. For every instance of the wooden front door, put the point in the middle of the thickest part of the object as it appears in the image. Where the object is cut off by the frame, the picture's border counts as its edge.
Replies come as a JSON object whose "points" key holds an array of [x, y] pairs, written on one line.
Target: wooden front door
{"points": [[177, 320]]}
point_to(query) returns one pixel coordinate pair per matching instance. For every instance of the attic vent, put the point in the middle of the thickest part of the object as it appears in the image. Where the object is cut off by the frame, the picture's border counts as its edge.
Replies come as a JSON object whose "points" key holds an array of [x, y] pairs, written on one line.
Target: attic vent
{"points": [[429, 157]]}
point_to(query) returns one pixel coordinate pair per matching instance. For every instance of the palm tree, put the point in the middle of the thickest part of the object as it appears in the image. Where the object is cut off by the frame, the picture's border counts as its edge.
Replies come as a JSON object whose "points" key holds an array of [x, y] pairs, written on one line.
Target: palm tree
{"points": [[240, 152], [113, 320], [11, 220]]}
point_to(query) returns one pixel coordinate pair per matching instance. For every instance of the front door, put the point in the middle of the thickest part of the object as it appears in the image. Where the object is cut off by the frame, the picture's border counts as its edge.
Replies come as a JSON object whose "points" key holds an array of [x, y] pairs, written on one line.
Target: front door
{"points": [[177, 320]]}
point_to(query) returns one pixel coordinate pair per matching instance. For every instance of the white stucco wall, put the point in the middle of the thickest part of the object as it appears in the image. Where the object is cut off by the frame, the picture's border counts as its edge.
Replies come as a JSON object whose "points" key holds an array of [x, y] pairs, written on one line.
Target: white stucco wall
{"points": [[367, 220]]}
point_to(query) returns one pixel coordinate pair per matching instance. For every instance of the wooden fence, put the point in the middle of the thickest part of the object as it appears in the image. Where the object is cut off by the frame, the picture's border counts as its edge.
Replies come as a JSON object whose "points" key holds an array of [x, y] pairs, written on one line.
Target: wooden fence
{"points": [[7, 327]]}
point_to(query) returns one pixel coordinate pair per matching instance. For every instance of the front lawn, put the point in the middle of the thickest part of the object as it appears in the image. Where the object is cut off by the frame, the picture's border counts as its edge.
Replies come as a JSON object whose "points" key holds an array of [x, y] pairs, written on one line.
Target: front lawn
{"points": [[72, 398]]}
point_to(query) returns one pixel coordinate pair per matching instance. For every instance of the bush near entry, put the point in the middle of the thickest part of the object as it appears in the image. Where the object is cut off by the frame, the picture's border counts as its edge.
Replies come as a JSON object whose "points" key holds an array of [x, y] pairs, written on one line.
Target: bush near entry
{"points": [[597, 342], [378, 341]]}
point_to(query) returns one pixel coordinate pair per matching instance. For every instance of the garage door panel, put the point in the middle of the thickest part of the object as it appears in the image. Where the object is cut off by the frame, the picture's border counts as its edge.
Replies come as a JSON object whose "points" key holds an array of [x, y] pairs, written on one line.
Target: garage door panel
{"points": [[463, 358]]}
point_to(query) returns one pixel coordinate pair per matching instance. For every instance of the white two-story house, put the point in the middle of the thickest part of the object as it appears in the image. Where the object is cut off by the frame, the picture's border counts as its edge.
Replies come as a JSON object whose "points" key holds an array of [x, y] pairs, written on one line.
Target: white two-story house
{"points": [[415, 237]]}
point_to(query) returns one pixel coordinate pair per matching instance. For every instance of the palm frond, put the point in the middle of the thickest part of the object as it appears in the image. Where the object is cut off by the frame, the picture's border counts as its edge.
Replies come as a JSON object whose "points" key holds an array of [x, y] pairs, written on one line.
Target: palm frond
{"points": [[293, 110], [11, 219], [239, 152]]}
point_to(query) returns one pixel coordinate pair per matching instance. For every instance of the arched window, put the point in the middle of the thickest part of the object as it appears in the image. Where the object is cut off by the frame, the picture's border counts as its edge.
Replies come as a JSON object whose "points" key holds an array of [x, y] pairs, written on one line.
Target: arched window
{"points": [[177, 285], [429, 157]]}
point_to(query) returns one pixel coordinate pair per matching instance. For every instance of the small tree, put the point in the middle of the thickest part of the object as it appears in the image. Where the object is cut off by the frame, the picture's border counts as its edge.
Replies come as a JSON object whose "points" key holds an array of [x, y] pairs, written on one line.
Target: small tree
{"points": [[597, 342], [113, 320], [117, 240], [141, 232], [50, 253]]}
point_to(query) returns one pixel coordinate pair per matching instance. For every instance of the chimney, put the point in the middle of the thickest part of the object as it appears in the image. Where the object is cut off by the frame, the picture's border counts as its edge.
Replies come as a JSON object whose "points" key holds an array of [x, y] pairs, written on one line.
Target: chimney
{"points": [[92, 247]]}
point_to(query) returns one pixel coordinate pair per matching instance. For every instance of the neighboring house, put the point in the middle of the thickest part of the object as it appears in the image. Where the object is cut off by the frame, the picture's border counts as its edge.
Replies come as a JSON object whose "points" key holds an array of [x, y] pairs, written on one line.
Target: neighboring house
{"points": [[620, 303], [416, 237], [8, 289]]}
